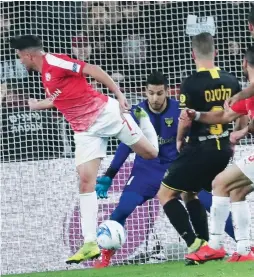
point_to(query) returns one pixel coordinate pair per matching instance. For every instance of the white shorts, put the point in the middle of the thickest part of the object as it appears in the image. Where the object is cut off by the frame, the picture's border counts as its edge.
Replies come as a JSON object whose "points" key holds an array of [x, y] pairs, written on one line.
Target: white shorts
{"points": [[246, 165], [92, 143]]}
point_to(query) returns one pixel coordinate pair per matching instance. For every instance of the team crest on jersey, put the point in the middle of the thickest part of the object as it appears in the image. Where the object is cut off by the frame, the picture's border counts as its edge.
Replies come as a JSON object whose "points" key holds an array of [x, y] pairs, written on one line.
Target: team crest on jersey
{"points": [[48, 76], [169, 121], [182, 100]]}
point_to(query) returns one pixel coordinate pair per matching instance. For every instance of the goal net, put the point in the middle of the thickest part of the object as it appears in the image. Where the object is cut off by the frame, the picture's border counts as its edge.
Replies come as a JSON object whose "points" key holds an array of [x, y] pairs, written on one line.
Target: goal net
{"points": [[128, 39]]}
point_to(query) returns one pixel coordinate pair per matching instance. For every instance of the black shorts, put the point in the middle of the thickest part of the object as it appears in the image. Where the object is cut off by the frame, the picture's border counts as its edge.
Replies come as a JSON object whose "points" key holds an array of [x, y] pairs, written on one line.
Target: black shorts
{"points": [[197, 165]]}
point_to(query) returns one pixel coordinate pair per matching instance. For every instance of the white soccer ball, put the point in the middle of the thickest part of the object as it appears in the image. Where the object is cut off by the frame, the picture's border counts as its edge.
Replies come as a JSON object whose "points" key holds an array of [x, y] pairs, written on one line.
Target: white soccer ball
{"points": [[111, 235]]}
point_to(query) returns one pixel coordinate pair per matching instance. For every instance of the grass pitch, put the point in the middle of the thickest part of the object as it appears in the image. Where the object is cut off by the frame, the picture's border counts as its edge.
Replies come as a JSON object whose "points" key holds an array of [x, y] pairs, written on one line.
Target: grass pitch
{"points": [[169, 269]]}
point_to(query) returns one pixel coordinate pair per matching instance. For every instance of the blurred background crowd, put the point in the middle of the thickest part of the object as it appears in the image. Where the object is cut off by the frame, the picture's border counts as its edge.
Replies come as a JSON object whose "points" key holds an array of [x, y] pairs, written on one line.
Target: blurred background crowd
{"points": [[128, 39]]}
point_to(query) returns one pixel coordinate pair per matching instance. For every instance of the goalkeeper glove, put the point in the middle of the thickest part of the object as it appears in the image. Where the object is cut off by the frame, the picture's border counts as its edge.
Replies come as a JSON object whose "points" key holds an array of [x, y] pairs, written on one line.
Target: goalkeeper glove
{"points": [[102, 186]]}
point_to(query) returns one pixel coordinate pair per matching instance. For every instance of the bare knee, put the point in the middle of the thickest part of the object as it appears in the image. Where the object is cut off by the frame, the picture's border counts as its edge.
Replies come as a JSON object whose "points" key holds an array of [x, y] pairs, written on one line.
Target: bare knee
{"points": [[240, 194], [86, 184], [150, 154], [219, 186], [87, 175], [145, 149], [164, 195]]}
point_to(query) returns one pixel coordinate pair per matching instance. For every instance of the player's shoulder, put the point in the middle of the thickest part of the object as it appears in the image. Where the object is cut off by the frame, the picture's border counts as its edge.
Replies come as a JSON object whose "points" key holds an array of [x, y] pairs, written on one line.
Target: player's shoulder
{"points": [[172, 101], [229, 75], [57, 59], [142, 104]]}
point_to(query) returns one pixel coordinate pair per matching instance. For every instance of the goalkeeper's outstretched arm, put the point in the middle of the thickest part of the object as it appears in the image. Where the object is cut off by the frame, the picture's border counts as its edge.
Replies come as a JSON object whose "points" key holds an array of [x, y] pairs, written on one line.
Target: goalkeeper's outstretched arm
{"points": [[104, 182], [120, 157]]}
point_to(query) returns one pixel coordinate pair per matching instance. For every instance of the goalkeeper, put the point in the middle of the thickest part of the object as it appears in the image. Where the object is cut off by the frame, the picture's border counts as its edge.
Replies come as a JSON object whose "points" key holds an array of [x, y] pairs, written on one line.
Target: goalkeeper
{"points": [[145, 178]]}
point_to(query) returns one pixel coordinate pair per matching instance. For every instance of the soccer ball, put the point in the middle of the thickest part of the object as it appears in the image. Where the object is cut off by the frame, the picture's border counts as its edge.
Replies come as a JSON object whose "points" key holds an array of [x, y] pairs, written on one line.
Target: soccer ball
{"points": [[110, 235]]}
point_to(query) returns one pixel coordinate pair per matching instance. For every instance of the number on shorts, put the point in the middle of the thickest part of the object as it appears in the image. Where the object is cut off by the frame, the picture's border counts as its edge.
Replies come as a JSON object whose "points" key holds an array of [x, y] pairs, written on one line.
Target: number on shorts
{"points": [[216, 129]]}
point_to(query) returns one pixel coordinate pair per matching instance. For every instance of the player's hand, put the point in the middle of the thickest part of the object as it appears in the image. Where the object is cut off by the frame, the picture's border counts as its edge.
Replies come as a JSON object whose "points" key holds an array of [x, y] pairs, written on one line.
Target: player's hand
{"points": [[187, 115], [235, 136], [102, 186], [124, 106], [33, 103], [231, 101]]}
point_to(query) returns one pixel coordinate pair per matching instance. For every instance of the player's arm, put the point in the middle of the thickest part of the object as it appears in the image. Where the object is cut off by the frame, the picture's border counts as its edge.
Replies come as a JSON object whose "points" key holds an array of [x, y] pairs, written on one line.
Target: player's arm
{"points": [[241, 122], [214, 117], [237, 135], [101, 76], [224, 116], [72, 67], [185, 102], [34, 104], [244, 94], [182, 130], [104, 182], [251, 126]]}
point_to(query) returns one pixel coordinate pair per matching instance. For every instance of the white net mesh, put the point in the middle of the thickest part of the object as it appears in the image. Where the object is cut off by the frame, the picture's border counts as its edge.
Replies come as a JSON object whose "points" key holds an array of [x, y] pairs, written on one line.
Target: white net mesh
{"points": [[40, 214]]}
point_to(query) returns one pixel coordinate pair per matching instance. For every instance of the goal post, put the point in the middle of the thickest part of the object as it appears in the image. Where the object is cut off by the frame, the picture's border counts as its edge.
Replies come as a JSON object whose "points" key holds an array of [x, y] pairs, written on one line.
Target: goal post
{"points": [[128, 39]]}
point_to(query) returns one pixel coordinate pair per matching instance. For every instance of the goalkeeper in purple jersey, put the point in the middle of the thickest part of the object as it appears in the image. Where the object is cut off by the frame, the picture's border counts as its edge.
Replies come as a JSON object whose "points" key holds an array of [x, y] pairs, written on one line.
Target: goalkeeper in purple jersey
{"points": [[146, 175]]}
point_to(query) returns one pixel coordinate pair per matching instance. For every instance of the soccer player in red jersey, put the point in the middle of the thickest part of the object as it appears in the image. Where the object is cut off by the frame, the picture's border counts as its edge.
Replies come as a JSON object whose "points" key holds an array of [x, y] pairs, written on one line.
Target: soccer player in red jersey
{"points": [[249, 91], [237, 176], [94, 118]]}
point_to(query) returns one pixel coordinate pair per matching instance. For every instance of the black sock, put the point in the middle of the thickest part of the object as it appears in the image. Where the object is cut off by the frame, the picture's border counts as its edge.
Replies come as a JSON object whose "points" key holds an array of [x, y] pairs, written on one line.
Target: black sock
{"points": [[179, 218], [198, 218]]}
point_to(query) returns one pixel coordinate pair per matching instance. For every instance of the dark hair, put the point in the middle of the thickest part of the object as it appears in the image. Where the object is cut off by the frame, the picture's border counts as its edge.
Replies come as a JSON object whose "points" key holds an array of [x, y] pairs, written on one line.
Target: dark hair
{"points": [[251, 16], [157, 78], [203, 43], [25, 42], [249, 56]]}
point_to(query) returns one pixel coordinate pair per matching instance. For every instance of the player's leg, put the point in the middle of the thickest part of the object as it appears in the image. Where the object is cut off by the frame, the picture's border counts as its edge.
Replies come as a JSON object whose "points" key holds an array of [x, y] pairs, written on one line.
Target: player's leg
{"points": [[228, 180], [132, 136], [88, 154], [112, 122], [205, 198], [198, 215], [128, 202], [146, 126], [225, 182], [178, 216], [182, 177]]}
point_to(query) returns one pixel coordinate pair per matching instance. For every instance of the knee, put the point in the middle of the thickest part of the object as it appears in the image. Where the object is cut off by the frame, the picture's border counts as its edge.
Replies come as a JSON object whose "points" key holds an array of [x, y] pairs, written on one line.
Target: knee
{"points": [[164, 195], [219, 186], [150, 154], [87, 183], [240, 194]]}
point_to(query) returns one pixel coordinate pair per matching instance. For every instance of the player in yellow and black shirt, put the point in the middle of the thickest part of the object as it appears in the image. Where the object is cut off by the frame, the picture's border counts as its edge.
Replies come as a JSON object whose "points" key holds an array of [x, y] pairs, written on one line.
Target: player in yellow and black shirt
{"points": [[208, 149], [206, 90]]}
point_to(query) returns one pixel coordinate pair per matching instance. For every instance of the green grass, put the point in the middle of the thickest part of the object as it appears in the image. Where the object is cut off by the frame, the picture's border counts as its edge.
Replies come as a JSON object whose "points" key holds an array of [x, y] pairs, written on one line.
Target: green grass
{"points": [[170, 269]]}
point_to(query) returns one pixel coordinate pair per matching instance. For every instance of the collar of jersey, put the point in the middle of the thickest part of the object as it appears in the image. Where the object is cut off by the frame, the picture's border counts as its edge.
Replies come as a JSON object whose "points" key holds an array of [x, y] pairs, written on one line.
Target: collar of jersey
{"points": [[207, 69]]}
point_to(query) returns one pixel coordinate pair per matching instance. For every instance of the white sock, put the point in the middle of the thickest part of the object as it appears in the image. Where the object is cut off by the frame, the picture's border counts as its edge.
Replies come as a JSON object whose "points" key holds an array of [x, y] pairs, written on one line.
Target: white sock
{"points": [[149, 132], [241, 221], [219, 213], [88, 212]]}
